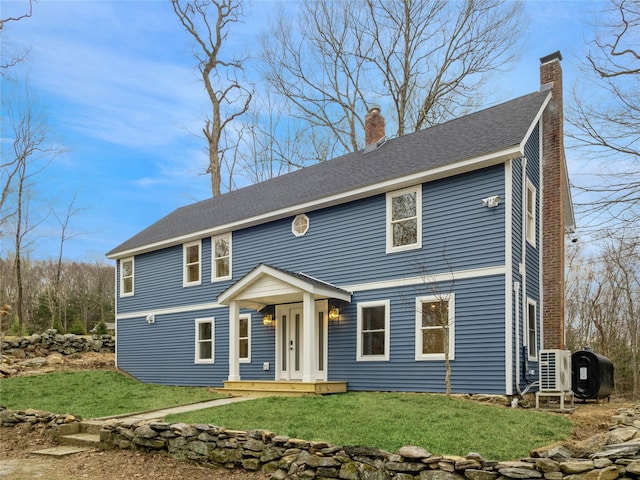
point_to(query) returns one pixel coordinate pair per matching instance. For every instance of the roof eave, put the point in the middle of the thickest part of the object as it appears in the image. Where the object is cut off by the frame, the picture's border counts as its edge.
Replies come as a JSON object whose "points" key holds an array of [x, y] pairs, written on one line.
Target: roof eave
{"points": [[449, 170]]}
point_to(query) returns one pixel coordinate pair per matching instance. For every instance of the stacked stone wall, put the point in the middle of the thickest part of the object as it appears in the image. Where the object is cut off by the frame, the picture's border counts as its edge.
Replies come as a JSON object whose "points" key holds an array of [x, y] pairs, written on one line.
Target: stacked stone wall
{"points": [[40, 345], [607, 456]]}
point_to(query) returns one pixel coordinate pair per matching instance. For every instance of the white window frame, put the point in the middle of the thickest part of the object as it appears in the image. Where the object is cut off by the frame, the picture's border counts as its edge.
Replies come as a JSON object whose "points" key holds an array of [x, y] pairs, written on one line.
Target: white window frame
{"points": [[199, 341], [294, 225], [451, 301], [530, 220], [360, 357], [228, 237], [122, 277], [185, 265], [389, 220], [533, 355], [246, 359]]}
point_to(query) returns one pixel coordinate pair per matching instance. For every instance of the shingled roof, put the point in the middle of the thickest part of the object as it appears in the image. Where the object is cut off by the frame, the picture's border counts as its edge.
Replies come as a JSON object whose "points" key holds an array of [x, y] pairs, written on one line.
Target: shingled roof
{"points": [[479, 134]]}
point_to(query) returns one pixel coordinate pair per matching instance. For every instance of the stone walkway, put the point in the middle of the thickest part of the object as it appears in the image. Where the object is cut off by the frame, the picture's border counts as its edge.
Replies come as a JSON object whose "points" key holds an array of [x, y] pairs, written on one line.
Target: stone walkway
{"points": [[132, 418]]}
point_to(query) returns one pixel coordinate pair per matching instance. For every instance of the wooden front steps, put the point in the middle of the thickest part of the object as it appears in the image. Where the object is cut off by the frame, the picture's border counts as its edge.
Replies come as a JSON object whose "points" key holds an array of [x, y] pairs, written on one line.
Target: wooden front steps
{"points": [[285, 388]]}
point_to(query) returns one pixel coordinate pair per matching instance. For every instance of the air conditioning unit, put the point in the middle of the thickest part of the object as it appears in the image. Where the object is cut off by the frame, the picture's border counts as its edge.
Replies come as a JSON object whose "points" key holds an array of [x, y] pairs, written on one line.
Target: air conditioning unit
{"points": [[555, 370]]}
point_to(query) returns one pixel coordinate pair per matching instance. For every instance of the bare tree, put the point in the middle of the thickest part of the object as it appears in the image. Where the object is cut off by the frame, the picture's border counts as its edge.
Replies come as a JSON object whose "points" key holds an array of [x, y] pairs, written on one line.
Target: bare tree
{"points": [[606, 120], [209, 22], [603, 292], [29, 156], [426, 60], [10, 57], [310, 60]]}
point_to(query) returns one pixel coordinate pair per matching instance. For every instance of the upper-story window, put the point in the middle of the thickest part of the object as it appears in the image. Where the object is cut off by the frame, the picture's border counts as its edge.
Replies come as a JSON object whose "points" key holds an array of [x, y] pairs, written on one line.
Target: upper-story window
{"points": [[126, 277], [221, 257], [300, 225], [192, 261], [404, 219], [531, 213]]}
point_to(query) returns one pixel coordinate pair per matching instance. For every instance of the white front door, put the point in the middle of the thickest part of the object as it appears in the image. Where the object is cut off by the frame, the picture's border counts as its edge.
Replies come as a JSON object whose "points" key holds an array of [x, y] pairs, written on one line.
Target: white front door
{"points": [[289, 331], [290, 345]]}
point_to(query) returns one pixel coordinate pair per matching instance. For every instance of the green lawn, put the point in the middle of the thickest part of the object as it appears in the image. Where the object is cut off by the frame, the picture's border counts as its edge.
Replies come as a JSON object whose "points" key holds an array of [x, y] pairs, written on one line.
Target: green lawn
{"points": [[94, 394], [383, 420], [392, 420]]}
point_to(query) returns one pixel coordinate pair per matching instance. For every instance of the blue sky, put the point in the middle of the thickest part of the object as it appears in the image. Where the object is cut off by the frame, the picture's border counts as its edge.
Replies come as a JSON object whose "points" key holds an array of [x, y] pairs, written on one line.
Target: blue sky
{"points": [[119, 83]]}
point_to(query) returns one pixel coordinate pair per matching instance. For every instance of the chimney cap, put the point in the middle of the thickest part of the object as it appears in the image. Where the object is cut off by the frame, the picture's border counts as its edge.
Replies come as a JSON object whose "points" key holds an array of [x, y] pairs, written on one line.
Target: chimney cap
{"points": [[374, 107], [552, 56]]}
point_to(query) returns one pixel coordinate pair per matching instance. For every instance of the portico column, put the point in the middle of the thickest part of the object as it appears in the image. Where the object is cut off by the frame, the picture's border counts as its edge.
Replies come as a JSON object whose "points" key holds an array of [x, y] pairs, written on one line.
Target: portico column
{"points": [[234, 361], [309, 354]]}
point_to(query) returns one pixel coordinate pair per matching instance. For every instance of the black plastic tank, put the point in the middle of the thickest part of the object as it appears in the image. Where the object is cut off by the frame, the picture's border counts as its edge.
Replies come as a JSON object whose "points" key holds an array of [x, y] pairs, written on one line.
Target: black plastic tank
{"points": [[591, 375]]}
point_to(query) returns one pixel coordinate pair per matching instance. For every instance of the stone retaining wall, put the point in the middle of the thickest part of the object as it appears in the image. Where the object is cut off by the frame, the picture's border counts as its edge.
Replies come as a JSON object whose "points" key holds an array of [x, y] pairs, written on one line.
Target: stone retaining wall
{"points": [[40, 345], [607, 456]]}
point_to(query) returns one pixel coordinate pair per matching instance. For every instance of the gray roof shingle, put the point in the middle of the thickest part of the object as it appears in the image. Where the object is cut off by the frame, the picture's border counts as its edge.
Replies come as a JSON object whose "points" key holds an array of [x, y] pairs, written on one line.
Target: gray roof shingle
{"points": [[487, 131]]}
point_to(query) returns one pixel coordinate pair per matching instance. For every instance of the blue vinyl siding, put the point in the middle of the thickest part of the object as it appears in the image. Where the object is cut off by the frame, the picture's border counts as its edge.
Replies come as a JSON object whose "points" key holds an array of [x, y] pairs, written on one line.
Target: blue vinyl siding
{"points": [[164, 352], [345, 245], [479, 342]]}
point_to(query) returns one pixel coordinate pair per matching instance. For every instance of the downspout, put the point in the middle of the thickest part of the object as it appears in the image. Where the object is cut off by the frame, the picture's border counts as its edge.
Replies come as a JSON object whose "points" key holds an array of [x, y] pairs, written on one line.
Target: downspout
{"points": [[516, 296]]}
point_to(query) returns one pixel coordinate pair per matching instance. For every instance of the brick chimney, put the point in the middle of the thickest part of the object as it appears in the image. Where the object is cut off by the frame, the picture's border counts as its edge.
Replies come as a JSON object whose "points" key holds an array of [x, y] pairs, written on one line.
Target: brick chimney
{"points": [[554, 190], [373, 126]]}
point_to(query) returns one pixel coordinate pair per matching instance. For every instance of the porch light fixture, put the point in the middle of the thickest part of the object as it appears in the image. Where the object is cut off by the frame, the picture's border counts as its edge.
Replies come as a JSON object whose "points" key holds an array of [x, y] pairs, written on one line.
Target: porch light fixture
{"points": [[334, 314], [268, 321]]}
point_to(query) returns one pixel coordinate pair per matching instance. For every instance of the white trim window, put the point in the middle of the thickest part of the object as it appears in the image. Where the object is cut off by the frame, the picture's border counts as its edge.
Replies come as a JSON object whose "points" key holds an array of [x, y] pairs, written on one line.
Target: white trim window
{"points": [[532, 330], [126, 277], [530, 225], [221, 268], [404, 219], [373, 331], [300, 225], [192, 263], [205, 335], [435, 321], [244, 338]]}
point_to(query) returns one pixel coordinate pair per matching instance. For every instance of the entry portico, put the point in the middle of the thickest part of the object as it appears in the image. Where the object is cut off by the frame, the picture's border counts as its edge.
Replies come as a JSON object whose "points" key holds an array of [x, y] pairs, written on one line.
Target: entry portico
{"points": [[300, 305]]}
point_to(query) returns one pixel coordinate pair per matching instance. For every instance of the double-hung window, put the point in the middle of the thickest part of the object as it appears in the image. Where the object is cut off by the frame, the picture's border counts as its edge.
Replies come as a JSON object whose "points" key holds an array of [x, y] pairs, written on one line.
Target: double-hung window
{"points": [[192, 262], [530, 221], [404, 219], [373, 331], [205, 335], [221, 246], [435, 327], [532, 330], [126, 277], [244, 336]]}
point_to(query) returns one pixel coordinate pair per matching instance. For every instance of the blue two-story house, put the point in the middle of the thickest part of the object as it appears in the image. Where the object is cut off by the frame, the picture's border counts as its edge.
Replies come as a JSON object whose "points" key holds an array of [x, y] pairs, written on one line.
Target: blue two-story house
{"points": [[372, 271]]}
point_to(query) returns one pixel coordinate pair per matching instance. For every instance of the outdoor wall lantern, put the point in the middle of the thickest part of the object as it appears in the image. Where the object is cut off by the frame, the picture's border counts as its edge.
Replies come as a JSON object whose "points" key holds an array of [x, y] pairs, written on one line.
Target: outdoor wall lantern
{"points": [[334, 314], [268, 317]]}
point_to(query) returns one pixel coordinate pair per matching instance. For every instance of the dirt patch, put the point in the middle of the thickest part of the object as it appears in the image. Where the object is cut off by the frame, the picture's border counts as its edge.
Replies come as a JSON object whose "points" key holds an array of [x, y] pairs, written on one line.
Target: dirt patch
{"points": [[18, 463]]}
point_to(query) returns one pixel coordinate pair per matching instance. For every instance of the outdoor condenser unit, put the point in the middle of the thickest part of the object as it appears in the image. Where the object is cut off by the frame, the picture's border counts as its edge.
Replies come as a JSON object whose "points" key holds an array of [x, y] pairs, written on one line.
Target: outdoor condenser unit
{"points": [[555, 370]]}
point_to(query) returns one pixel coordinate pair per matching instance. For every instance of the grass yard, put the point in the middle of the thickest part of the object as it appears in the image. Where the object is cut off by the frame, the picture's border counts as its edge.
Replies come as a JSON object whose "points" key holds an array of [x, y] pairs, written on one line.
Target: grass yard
{"points": [[94, 394], [392, 420]]}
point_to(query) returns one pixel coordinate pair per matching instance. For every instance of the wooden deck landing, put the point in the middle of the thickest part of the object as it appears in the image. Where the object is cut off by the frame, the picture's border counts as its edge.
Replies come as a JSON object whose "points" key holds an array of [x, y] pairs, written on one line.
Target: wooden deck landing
{"points": [[289, 388]]}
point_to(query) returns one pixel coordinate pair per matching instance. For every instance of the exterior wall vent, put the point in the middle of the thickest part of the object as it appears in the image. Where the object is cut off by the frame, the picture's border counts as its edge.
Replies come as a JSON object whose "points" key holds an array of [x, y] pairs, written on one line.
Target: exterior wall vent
{"points": [[555, 370], [151, 318]]}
